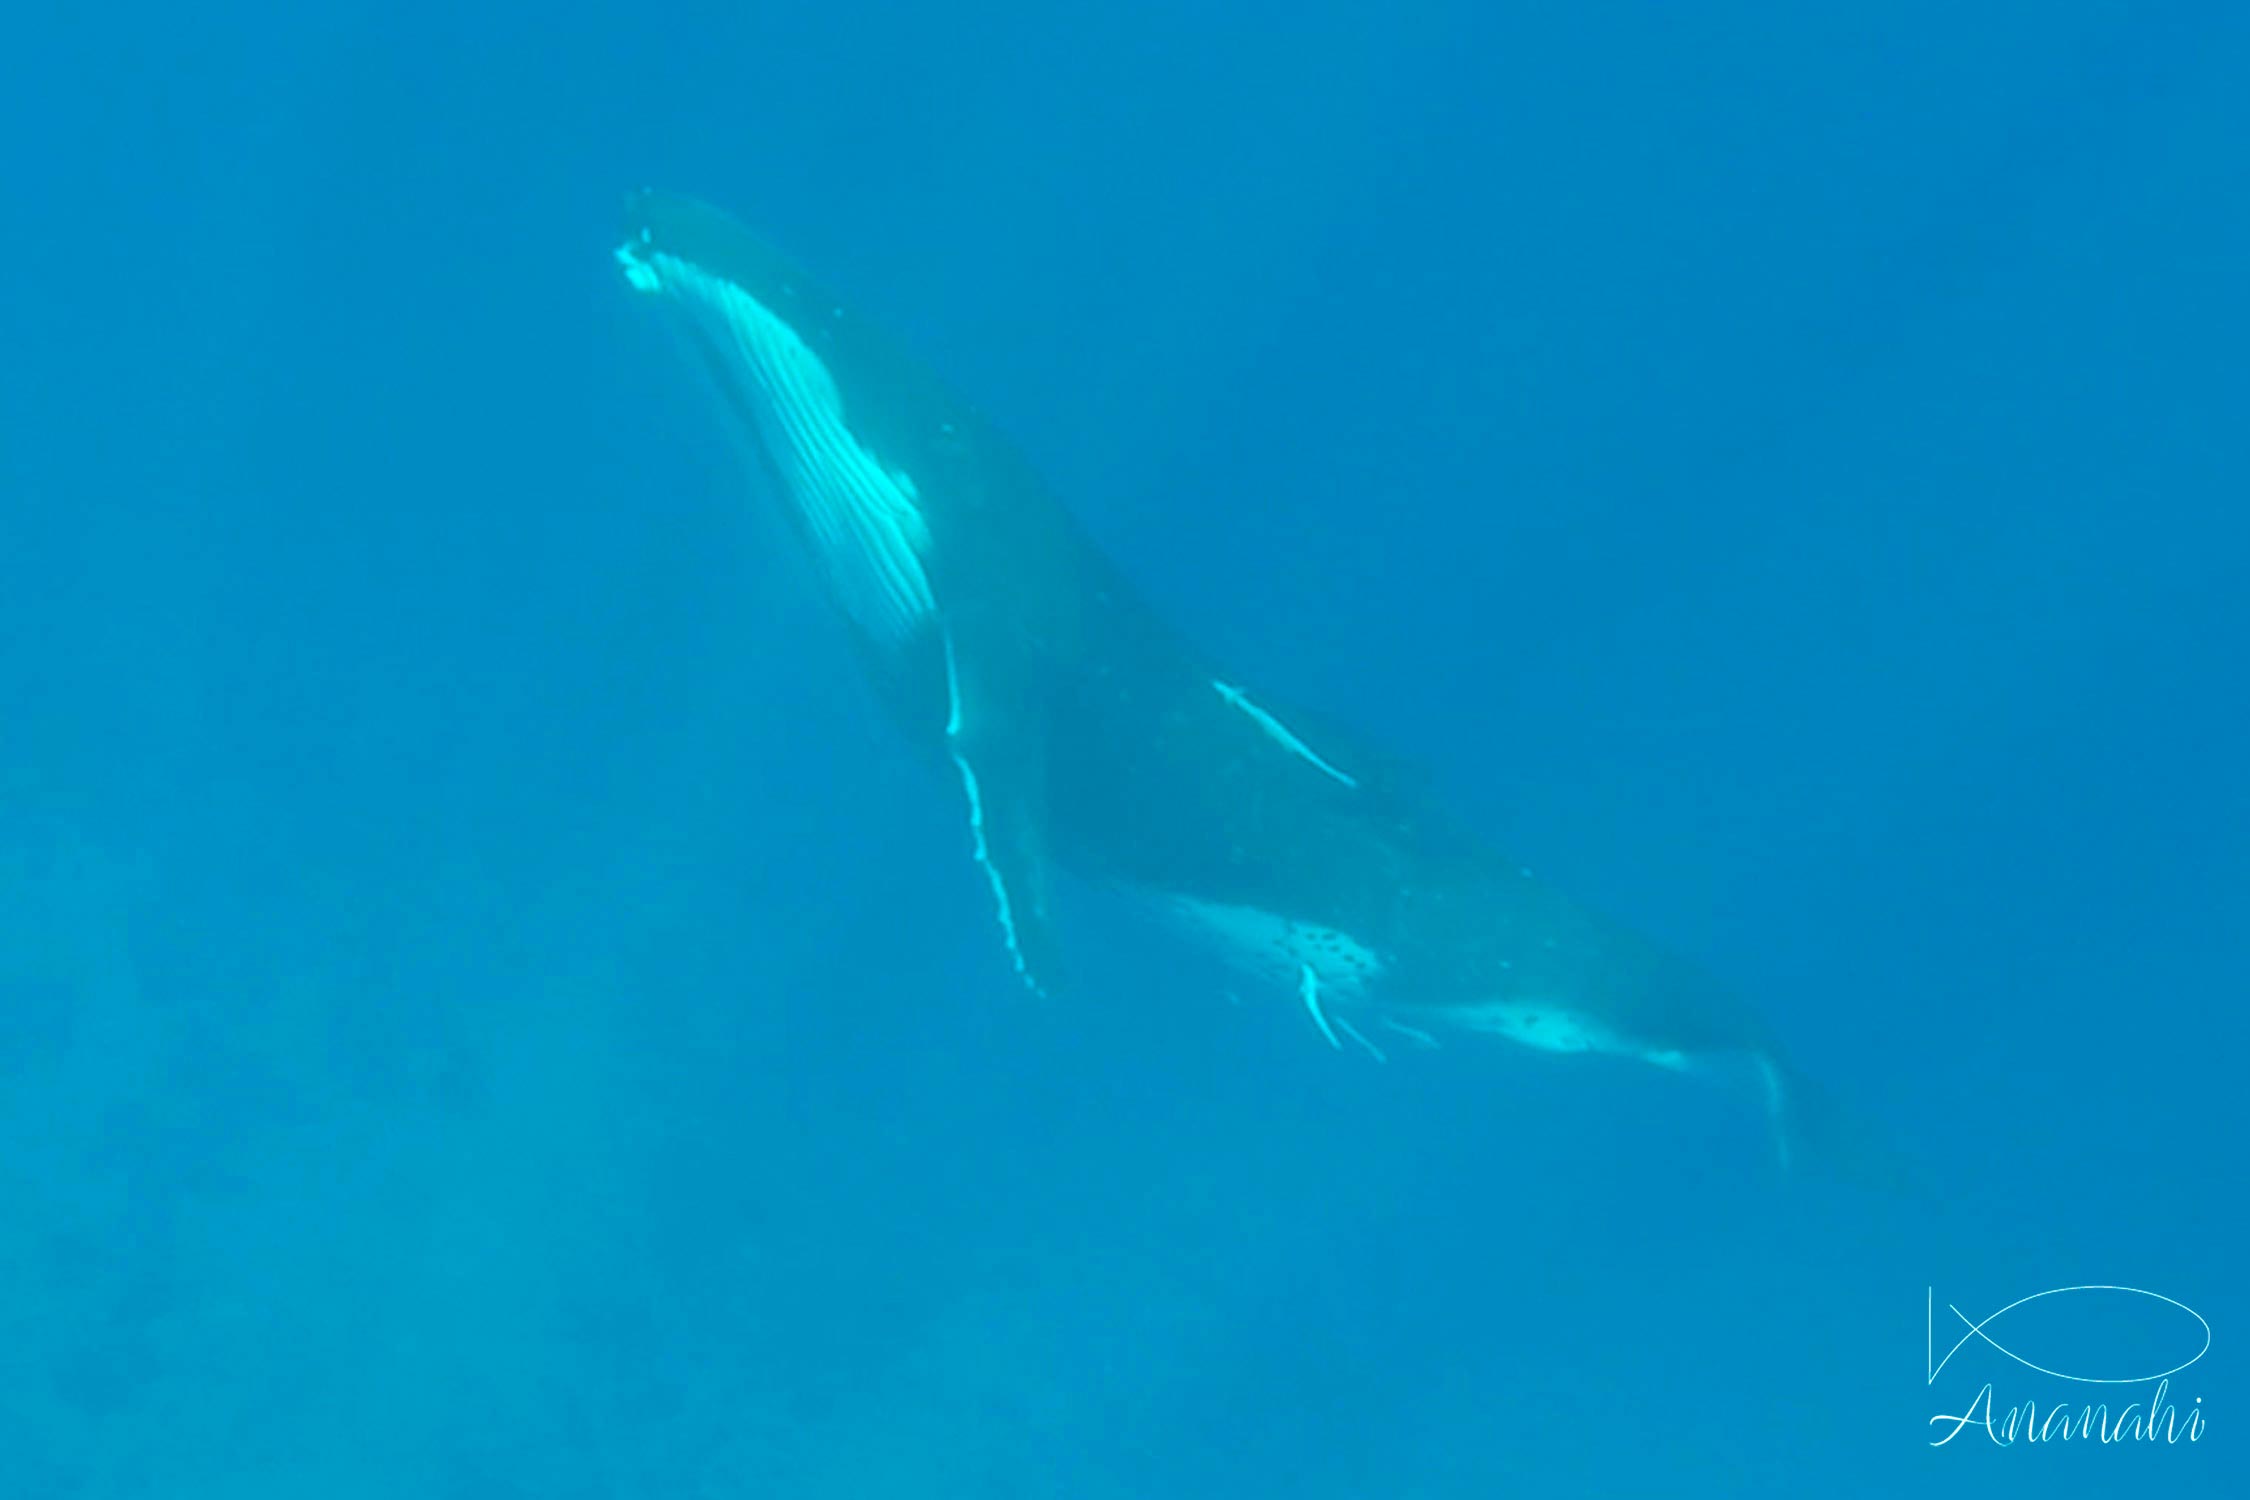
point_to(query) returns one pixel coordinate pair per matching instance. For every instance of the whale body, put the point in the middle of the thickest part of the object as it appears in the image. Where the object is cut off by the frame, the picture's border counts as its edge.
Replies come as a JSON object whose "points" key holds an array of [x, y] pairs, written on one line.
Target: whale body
{"points": [[1080, 733]]}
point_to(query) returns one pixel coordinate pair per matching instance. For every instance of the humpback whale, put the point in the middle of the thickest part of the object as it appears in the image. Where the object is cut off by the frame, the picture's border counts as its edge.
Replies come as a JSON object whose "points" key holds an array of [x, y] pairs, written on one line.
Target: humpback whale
{"points": [[1078, 732]]}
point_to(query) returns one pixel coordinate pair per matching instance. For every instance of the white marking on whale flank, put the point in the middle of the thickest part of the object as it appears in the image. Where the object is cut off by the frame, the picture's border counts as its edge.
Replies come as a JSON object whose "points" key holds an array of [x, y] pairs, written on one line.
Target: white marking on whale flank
{"points": [[979, 847], [1279, 949], [1546, 1027], [1324, 962], [1278, 732], [1415, 1034], [865, 519]]}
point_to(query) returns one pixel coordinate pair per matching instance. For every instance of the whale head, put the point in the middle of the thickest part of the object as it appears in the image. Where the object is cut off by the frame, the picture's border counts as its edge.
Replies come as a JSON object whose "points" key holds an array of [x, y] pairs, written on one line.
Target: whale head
{"points": [[808, 392]]}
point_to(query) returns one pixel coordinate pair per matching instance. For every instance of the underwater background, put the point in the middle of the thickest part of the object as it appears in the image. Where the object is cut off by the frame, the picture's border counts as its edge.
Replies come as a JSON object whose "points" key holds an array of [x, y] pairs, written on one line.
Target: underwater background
{"points": [[486, 1009]]}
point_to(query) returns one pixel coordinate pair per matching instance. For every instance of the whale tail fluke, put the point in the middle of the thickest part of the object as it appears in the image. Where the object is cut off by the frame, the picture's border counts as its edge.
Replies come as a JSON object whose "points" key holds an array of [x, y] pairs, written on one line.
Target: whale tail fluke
{"points": [[1816, 1134]]}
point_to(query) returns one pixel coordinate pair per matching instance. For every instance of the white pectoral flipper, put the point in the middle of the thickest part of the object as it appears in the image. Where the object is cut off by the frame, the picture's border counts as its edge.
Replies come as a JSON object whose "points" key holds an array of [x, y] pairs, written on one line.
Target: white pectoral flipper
{"points": [[1003, 781]]}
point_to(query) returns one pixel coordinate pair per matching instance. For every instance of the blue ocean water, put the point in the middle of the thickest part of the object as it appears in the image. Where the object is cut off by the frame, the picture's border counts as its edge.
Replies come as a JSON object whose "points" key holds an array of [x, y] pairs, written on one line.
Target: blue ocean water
{"points": [[486, 1009]]}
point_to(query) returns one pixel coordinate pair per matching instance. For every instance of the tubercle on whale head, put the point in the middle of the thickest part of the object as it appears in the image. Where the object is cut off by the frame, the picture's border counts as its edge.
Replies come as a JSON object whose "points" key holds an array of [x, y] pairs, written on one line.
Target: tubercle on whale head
{"points": [[632, 258]]}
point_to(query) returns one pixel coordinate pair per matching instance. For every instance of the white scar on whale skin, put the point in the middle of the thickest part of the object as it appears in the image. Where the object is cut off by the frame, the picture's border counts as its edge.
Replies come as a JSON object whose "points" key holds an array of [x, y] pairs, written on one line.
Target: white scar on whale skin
{"points": [[865, 519], [1356, 1035], [982, 851], [1278, 732], [1308, 989]]}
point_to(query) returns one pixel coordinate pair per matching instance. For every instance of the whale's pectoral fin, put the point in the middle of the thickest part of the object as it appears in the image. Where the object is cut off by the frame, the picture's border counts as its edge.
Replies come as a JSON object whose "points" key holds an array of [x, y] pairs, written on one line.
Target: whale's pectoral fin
{"points": [[1006, 829], [1002, 773]]}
